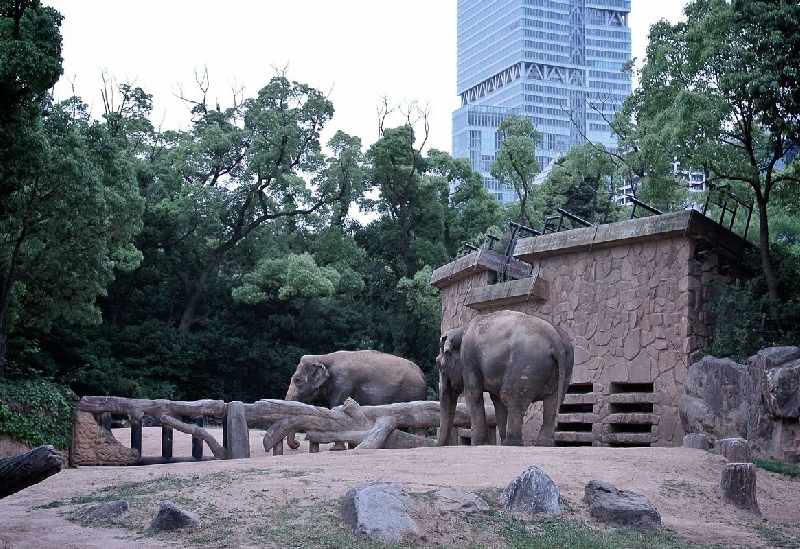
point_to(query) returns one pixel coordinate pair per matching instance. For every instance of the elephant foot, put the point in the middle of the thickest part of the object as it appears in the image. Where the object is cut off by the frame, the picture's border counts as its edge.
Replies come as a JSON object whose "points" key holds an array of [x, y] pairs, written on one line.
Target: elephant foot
{"points": [[337, 446], [512, 441]]}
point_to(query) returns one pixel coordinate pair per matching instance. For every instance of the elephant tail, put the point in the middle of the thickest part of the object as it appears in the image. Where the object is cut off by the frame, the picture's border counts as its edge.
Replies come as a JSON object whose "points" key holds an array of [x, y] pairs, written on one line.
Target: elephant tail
{"points": [[565, 357]]}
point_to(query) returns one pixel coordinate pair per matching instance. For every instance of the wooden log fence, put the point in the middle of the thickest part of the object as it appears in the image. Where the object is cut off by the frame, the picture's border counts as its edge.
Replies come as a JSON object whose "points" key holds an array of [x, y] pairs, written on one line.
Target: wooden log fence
{"points": [[370, 427]]}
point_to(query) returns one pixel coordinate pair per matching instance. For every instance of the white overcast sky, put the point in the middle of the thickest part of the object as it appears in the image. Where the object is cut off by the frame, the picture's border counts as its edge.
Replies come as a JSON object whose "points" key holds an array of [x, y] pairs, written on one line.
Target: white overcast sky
{"points": [[356, 51]]}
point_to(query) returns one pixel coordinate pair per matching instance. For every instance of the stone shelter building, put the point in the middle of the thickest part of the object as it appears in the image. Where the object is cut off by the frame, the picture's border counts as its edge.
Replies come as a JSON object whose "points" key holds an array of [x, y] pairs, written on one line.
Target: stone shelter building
{"points": [[632, 296]]}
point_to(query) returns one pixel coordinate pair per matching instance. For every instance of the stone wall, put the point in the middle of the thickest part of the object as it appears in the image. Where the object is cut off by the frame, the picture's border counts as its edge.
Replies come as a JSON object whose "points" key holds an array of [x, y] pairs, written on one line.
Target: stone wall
{"points": [[632, 297]]}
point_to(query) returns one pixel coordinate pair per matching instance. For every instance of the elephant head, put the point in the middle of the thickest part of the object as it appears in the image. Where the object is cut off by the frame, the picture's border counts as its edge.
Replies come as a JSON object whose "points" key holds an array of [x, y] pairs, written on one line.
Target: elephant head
{"points": [[451, 381], [308, 382]]}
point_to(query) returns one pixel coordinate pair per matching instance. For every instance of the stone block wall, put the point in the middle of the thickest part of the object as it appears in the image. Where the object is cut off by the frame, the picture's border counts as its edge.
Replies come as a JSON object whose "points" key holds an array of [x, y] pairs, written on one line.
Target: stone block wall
{"points": [[632, 296]]}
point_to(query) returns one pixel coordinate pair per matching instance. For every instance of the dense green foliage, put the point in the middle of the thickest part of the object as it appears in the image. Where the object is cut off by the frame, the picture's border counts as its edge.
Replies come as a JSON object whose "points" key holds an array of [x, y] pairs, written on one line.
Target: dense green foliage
{"points": [[749, 320], [36, 412], [203, 263], [719, 92]]}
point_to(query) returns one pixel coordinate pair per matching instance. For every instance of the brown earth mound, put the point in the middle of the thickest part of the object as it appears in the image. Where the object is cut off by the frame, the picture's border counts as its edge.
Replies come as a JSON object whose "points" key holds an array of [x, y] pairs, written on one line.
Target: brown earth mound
{"points": [[682, 483]]}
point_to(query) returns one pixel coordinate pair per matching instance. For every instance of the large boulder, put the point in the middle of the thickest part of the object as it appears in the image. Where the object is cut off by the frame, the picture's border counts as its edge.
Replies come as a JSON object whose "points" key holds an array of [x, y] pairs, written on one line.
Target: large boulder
{"points": [[379, 510], [621, 507], [532, 492], [715, 400], [774, 388], [758, 402]]}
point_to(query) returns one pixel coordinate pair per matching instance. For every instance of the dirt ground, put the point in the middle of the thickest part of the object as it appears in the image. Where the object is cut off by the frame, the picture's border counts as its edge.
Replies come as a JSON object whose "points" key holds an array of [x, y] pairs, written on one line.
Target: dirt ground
{"points": [[682, 483]]}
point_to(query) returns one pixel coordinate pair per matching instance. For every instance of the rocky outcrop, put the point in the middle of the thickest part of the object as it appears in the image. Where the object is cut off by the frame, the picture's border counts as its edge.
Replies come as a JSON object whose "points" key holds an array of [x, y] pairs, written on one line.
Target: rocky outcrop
{"points": [[621, 507], [714, 400], [774, 387], [759, 402]]}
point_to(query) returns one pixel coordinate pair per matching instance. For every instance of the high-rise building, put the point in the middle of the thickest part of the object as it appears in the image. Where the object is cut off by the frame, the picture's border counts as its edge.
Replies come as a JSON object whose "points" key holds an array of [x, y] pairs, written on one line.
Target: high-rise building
{"points": [[557, 62]]}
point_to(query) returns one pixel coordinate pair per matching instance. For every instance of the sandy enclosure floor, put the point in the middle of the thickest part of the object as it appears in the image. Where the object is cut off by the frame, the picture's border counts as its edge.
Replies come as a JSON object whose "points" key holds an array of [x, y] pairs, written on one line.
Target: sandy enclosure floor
{"points": [[682, 483]]}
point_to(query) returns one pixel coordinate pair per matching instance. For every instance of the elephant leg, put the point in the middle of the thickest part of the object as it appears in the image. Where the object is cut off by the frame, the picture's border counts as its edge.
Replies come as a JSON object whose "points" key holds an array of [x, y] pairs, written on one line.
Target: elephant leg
{"points": [[477, 413], [549, 415], [501, 415], [338, 446], [514, 424]]}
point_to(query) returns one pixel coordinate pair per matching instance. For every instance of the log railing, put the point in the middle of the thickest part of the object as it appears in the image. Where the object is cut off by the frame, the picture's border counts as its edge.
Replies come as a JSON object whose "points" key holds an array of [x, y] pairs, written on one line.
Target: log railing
{"points": [[387, 426]]}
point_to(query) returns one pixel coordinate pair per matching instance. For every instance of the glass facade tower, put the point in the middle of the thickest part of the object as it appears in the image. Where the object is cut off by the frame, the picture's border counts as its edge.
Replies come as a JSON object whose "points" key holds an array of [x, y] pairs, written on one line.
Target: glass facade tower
{"points": [[557, 62]]}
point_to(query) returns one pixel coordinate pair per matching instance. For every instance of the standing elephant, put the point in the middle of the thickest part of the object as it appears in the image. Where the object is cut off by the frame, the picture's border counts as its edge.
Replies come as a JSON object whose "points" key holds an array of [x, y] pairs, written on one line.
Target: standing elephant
{"points": [[370, 378], [518, 359]]}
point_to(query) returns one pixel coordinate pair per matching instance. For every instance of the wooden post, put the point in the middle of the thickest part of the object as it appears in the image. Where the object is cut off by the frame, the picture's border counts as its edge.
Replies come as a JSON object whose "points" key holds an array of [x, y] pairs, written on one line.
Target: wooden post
{"points": [[197, 444], [225, 431], [738, 486], [313, 447], [735, 450], [105, 420], [136, 436], [699, 441], [277, 450], [166, 442]]}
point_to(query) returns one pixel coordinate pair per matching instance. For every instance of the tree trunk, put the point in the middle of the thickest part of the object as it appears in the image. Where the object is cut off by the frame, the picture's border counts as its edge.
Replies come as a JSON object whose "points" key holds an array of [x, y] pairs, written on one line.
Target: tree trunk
{"points": [[19, 472], [738, 486], [735, 450], [766, 259]]}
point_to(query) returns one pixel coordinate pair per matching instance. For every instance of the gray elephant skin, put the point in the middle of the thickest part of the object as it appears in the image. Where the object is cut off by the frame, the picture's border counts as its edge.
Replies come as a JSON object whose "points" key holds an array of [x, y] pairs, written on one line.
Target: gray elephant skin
{"points": [[371, 378], [515, 357]]}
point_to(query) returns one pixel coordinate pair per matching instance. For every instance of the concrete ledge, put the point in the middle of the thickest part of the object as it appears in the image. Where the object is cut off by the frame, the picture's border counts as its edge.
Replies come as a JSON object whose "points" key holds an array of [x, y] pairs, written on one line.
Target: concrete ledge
{"points": [[515, 291], [689, 223], [481, 260]]}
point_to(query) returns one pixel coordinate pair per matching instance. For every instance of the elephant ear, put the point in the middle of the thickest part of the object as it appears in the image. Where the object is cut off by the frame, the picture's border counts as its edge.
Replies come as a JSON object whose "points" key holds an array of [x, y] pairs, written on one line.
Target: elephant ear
{"points": [[320, 374], [453, 338]]}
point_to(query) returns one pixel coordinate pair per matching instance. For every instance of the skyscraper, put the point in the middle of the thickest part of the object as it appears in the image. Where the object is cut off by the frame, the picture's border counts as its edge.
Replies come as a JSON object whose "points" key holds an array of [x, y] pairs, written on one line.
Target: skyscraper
{"points": [[557, 62]]}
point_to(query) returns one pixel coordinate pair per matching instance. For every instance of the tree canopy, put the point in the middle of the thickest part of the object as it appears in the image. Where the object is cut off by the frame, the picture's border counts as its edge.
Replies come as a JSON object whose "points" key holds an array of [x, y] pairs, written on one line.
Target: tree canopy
{"points": [[719, 92]]}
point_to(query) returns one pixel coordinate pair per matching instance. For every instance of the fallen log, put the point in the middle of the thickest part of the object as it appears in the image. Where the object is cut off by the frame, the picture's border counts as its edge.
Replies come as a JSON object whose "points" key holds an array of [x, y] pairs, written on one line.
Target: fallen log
{"points": [[360, 426], [136, 408], [19, 472]]}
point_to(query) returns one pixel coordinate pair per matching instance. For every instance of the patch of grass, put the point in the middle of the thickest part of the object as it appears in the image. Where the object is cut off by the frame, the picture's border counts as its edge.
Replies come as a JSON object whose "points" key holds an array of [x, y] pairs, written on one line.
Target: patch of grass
{"points": [[780, 536], [780, 467], [260, 520]]}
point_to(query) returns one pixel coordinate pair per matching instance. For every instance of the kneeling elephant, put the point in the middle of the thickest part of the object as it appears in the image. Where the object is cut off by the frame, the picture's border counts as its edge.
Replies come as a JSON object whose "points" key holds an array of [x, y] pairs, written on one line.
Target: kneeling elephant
{"points": [[371, 378], [518, 359]]}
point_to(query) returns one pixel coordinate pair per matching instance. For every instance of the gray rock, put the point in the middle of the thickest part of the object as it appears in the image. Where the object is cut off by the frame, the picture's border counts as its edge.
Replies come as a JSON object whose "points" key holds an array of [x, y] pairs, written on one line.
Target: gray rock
{"points": [[172, 517], [621, 507], [101, 511], [715, 399], [774, 386], [775, 373], [379, 510], [532, 492], [458, 501]]}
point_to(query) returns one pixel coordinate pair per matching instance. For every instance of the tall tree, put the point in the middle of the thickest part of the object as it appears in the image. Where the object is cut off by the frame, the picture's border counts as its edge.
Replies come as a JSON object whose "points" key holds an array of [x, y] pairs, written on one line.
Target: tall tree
{"points": [[582, 182], [515, 162], [233, 172], [68, 227], [719, 91]]}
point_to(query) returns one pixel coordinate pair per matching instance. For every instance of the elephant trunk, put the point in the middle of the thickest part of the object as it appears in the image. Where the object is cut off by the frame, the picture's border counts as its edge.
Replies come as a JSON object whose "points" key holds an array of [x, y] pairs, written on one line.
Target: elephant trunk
{"points": [[447, 410]]}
